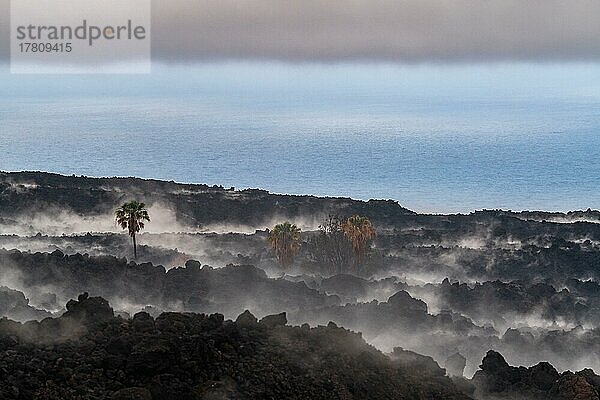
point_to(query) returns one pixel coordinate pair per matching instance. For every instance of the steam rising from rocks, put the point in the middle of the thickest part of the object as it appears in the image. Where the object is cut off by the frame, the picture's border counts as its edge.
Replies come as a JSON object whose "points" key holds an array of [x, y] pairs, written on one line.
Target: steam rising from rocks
{"points": [[438, 285]]}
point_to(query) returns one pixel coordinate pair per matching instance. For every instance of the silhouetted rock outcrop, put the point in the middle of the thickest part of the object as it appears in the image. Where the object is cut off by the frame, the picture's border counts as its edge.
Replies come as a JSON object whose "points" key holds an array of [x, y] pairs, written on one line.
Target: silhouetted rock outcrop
{"points": [[272, 321], [497, 379], [88, 310], [246, 319], [198, 356], [403, 302]]}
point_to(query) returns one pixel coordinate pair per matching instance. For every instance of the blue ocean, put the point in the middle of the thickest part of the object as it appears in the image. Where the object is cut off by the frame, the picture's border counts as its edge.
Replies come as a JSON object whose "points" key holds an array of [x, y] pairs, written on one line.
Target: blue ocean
{"points": [[436, 140]]}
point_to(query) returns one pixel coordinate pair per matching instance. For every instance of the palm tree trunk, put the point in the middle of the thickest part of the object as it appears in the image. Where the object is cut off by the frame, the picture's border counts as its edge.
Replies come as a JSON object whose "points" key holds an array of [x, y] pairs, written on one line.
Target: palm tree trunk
{"points": [[134, 247], [356, 263]]}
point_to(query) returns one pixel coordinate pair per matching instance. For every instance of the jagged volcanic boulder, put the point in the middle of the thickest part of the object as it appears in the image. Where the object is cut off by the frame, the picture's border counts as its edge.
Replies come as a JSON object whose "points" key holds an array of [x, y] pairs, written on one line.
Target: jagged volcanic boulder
{"points": [[272, 321], [498, 380], [543, 376], [143, 322], [89, 310], [246, 319], [496, 376], [403, 302]]}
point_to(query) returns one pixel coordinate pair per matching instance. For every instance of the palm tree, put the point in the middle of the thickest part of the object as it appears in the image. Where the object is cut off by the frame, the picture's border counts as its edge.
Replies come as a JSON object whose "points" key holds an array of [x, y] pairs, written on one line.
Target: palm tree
{"points": [[131, 216], [360, 232], [285, 241], [330, 248]]}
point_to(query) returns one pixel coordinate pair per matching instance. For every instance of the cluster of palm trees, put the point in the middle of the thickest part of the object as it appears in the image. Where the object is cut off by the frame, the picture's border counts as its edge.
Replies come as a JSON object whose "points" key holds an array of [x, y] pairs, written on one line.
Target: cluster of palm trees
{"points": [[285, 239], [360, 232]]}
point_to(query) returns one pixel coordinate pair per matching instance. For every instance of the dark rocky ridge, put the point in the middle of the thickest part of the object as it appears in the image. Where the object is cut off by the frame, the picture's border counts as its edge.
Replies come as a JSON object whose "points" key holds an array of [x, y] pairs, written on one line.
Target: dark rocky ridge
{"points": [[26, 193], [397, 320], [195, 205], [498, 380], [198, 356], [194, 287], [88, 353]]}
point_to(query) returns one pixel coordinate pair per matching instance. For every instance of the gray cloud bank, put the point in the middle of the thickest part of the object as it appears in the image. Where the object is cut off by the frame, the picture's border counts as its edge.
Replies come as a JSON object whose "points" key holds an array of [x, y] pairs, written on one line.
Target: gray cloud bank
{"points": [[369, 30]]}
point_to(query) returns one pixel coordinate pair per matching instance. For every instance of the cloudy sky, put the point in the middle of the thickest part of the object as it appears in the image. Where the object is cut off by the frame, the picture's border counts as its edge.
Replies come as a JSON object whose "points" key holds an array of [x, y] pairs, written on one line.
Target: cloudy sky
{"points": [[405, 31]]}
